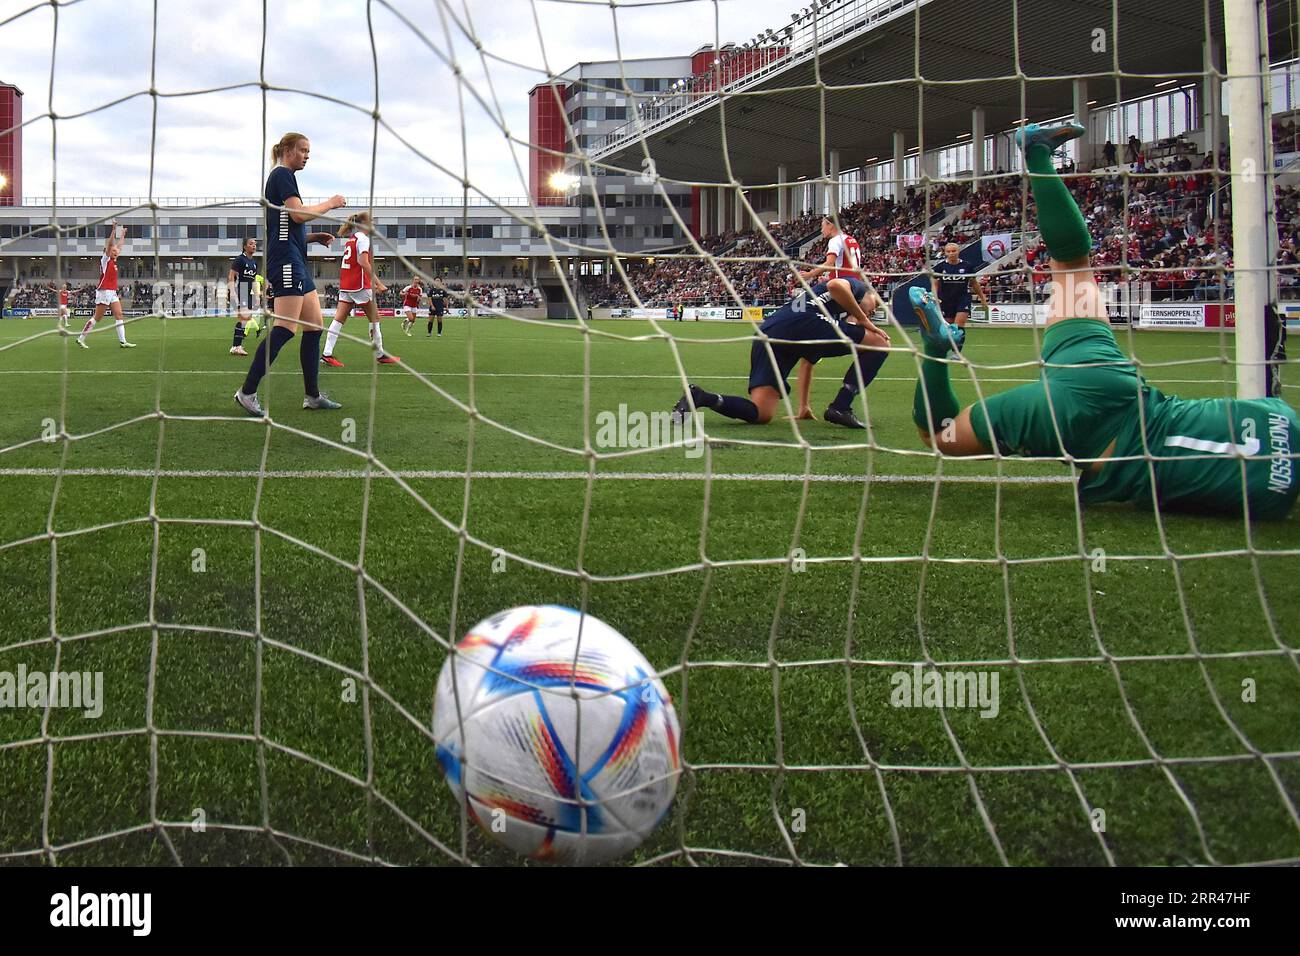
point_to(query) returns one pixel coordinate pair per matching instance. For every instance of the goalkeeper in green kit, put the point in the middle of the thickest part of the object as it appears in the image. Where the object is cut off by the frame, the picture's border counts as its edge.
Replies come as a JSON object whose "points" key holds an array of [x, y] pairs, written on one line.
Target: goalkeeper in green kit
{"points": [[1210, 456]]}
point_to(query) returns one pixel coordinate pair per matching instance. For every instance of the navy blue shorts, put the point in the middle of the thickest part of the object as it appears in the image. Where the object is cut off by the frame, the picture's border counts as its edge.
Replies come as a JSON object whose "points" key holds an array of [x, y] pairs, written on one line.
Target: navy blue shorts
{"points": [[788, 354], [291, 277], [950, 307]]}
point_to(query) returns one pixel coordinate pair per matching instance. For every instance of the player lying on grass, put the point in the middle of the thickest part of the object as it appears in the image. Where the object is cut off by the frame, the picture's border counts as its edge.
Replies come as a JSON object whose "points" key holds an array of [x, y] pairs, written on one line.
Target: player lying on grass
{"points": [[358, 286], [1206, 455], [811, 330], [295, 300], [106, 294]]}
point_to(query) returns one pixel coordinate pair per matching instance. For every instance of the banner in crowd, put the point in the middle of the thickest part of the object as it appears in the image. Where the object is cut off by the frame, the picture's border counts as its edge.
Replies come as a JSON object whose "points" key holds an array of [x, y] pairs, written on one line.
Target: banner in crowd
{"points": [[17, 313], [1017, 313], [754, 313], [996, 246], [1185, 316], [735, 312], [44, 311], [1291, 312], [911, 240]]}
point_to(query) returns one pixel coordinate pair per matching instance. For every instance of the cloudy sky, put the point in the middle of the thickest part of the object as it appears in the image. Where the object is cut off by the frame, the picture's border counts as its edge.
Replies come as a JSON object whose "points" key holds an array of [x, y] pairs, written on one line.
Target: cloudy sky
{"points": [[211, 143]]}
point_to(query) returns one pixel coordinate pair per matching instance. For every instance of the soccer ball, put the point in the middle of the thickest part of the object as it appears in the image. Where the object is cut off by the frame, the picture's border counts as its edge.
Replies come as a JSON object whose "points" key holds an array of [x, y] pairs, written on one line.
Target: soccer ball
{"points": [[565, 745]]}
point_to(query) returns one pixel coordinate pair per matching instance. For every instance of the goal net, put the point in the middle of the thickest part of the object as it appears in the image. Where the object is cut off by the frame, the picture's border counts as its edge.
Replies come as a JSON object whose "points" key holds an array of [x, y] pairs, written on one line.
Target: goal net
{"points": [[220, 636]]}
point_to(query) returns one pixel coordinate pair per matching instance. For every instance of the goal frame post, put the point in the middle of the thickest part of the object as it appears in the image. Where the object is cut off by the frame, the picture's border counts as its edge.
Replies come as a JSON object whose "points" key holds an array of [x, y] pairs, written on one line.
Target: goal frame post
{"points": [[1254, 222]]}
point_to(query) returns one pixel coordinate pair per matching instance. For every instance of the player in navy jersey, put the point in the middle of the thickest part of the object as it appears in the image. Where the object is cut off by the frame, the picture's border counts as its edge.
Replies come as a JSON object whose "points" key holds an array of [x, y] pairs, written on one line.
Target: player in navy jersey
{"points": [[297, 305], [437, 307], [243, 269], [834, 321], [952, 282]]}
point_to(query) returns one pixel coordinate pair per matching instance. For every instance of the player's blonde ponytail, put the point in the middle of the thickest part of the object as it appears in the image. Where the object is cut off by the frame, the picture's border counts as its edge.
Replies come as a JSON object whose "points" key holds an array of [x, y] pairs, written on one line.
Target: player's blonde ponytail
{"points": [[287, 142], [354, 221]]}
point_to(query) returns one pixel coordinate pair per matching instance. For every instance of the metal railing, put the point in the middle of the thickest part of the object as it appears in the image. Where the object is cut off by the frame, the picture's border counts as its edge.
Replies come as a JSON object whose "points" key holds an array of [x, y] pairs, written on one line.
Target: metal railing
{"points": [[808, 35], [188, 202]]}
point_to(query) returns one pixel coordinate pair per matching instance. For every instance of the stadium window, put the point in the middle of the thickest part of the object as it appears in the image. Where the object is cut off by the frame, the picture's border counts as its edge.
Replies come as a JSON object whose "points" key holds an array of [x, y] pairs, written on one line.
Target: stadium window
{"points": [[1164, 110], [390, 231], [1279, 81], [616, 112], [483, 231]]}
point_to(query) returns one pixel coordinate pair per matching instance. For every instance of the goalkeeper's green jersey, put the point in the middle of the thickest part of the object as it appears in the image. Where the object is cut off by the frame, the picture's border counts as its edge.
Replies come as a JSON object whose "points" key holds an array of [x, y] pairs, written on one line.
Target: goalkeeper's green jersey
{"points": [[1204, 455]]}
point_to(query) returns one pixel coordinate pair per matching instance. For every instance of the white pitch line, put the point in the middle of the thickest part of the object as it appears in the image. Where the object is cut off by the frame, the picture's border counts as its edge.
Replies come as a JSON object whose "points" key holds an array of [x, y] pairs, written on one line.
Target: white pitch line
{"points": [[353, 473], [560, 375]]}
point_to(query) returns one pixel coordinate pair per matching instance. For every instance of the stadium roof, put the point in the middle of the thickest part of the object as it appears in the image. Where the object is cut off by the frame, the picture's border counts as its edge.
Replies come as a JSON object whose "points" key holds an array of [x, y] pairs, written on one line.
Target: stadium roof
{"points": [[960, 41]]}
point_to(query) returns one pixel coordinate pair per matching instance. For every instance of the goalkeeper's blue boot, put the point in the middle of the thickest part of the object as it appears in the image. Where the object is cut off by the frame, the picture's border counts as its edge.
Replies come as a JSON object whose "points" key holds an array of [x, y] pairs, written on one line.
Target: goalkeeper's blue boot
{"points": [[1053, 137], [935, 329]]}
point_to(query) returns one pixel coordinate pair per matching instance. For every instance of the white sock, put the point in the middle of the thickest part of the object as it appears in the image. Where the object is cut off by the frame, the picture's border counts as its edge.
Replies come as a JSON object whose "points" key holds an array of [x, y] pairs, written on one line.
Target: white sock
{"points": [[332, 336], [85, 329], [377, 337], [121, 331]]}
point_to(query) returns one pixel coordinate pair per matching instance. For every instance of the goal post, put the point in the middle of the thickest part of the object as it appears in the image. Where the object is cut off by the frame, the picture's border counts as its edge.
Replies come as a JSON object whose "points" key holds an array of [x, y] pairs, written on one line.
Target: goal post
{"points": [[1254, 224]]}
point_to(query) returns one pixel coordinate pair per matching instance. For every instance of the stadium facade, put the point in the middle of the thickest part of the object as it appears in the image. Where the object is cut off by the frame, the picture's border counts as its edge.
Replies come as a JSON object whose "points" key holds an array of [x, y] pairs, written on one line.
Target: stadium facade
{"points": [[593, 193]]}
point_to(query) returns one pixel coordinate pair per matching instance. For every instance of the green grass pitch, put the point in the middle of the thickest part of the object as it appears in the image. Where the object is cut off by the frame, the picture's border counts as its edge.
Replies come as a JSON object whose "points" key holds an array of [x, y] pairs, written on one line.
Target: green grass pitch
{"points": [[1115, 683]]}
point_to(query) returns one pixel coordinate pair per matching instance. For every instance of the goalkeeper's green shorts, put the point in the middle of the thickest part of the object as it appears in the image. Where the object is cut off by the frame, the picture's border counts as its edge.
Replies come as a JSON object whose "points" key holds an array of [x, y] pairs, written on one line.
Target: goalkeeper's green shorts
{"points": [[1077, 409], [1206, 455]]}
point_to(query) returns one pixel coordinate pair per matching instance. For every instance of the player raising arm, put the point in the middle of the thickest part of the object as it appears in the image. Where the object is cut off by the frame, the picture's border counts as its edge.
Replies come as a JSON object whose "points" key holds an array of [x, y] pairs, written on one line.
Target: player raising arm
{"points": [[296, 302], [809, 329], [1092, 405], [358, 286], [106, 295]]}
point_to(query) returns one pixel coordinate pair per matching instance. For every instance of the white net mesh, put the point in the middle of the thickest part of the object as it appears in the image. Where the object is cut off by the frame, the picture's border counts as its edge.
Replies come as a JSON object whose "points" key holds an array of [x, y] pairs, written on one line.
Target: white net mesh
{"points": [[1153, 657]]}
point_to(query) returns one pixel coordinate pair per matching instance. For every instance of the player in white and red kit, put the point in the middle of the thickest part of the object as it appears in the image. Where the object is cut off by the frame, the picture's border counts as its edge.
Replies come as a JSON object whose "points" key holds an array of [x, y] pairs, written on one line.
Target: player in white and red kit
{"points": [[358, 286], [843, 257], [63, 306], [843, 261], [411, 296], [106, 295]]}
